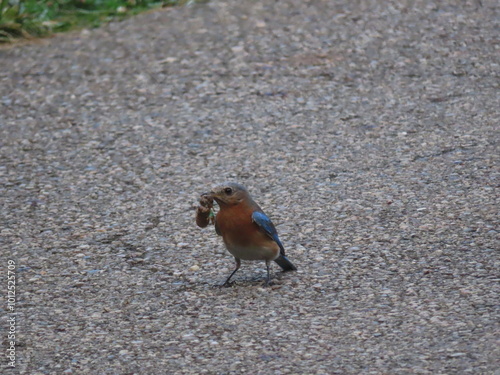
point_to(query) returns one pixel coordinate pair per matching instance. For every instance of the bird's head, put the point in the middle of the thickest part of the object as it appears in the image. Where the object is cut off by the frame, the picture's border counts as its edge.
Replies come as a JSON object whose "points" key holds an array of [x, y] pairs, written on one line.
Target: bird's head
{"points": [[229, 194]]}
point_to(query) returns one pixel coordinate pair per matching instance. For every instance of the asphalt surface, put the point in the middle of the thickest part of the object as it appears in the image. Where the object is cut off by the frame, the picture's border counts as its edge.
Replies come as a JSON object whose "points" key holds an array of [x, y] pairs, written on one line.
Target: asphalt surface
{"points": [[367, 130]]}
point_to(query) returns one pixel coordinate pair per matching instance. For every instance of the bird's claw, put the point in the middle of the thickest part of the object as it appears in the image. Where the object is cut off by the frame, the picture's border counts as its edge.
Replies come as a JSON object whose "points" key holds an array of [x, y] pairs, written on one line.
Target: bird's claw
{"points": [[267, 283]]}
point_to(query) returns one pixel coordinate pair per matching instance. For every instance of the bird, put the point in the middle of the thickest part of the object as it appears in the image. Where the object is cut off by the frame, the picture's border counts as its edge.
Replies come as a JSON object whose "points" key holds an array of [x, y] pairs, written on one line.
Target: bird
{"points": [[247, 232]]}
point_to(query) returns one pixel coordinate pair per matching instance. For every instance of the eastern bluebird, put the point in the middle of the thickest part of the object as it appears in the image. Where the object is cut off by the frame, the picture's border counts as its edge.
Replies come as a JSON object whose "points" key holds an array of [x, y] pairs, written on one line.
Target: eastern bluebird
{"points": [[245, 229]]}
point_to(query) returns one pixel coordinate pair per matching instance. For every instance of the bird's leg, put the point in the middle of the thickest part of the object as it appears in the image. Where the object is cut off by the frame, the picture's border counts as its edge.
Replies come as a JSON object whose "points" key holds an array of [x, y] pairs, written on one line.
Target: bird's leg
{"points": [[238, 264], [268, 280]]}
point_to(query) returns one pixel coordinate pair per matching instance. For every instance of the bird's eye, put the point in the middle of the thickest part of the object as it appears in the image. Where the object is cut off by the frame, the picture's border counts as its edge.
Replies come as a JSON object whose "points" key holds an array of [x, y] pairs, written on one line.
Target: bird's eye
{"points": [[228, 191]]}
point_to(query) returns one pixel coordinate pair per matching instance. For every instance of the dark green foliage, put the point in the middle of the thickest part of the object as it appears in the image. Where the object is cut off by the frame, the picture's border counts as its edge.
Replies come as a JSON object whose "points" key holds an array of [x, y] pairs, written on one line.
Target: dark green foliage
{"points": [[35, 18]]}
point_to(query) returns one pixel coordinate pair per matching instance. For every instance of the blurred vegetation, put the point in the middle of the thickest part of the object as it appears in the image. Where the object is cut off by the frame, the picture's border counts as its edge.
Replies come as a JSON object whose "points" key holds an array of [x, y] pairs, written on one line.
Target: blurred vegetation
{"points": [[38, 18]]}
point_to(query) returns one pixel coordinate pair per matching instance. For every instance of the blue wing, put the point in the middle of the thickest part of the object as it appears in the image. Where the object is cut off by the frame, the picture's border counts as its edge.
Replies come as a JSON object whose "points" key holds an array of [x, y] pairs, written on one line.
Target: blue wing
{"points": [[267, 226]]}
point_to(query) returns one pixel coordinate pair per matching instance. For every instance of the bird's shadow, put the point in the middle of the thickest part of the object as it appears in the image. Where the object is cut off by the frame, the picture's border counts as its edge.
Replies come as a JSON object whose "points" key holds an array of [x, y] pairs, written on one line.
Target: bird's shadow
{"points": [[253, 281]]}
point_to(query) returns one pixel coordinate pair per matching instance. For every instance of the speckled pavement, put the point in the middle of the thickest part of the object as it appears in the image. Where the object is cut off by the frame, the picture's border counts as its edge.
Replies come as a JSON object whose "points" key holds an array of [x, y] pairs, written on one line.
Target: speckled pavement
{"points": [[367, 130]]}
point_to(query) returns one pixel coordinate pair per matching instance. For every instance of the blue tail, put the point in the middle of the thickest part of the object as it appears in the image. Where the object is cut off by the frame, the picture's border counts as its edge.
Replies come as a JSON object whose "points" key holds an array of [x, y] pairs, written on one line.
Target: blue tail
{"points": [[285, 263]]}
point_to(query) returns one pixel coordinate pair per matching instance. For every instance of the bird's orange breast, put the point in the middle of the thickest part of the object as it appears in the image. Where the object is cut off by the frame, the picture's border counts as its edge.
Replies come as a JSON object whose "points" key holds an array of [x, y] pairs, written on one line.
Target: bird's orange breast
{"points": [[236, 225], [242, 236]]}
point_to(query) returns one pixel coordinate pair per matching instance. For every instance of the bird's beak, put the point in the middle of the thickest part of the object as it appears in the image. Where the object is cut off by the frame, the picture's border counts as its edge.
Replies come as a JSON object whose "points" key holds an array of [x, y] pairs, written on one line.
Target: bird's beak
{"points": [[213, 195], [208, 194]]}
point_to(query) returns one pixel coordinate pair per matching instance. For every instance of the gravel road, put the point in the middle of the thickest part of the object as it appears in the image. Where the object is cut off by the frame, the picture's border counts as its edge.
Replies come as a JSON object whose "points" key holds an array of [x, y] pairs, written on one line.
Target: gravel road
{"points": [[367, 130]]}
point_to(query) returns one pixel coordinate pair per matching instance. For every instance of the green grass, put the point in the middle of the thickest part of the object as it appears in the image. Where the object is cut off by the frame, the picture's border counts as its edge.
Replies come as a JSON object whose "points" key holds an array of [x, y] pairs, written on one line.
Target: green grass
{"points": [[31, 18]]}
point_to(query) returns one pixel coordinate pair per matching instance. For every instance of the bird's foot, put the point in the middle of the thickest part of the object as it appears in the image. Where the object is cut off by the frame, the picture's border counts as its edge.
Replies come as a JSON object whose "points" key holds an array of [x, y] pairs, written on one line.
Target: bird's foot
{"points": [[268, 283], [227, 284]]}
